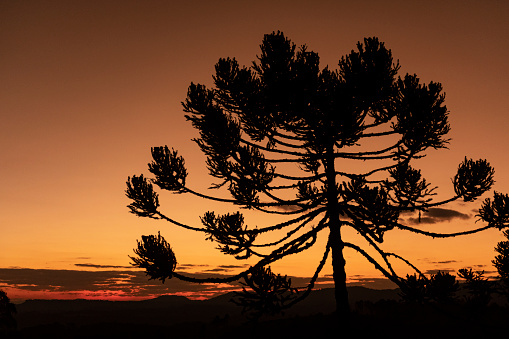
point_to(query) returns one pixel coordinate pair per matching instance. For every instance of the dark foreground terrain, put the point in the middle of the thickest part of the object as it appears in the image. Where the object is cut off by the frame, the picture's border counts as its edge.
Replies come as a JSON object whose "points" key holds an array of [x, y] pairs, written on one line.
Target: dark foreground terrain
{"points": [[376, 313]]}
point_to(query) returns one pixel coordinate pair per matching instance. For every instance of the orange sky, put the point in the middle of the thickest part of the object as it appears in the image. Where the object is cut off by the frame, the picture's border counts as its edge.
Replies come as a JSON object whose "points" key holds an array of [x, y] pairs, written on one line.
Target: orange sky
{"points": [[87, 87]]}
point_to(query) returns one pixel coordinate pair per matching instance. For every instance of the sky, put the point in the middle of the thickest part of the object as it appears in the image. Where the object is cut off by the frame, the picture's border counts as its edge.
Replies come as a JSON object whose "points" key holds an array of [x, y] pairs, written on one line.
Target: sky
{"points": [[87, 87]]}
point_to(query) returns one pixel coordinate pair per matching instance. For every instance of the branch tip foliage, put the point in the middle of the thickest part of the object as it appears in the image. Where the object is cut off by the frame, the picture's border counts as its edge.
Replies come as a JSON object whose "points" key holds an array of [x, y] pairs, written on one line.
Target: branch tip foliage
{"points": [[154, 254], [229, 231], [473, 179], [145, 200]]}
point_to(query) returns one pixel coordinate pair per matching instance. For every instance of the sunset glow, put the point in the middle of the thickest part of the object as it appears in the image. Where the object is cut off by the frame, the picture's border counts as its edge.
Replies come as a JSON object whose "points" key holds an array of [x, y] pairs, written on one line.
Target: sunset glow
{"points": [[88, 87]]}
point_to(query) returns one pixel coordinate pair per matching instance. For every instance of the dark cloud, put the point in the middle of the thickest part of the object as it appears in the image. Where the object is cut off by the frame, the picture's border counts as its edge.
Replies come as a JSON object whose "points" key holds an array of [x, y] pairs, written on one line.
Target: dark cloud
{"points": [[218, 269], [227, 268], [443, 262], [371, 282], [133, 284], [125, 283], [234, 266], [444, 213], [435, 215], [441, 266], [101, 266], [288, 208], [443, 270], [60, 280], [189, 266]]}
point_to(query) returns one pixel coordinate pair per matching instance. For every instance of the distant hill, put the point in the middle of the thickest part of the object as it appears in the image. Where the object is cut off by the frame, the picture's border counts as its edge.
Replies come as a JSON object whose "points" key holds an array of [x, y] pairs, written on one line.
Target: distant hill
{"points": [[377, 312], [166, 311], [169, 309]]}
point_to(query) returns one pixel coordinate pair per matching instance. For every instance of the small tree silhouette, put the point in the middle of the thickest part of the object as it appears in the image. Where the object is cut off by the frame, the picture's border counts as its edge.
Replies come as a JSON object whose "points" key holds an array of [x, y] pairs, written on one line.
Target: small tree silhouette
{"points": [[268, 293], [7, 312], [480, 288], [441, 287], [501, 261], [280, 136], [413, 289]]}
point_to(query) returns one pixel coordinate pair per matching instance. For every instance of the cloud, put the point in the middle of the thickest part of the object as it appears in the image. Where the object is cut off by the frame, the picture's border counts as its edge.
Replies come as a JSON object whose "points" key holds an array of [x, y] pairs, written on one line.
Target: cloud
{"points": [[288, 208], [193, 265], [444, 262], [233, 266], [25, 283], [51, 284], [227, 268], [102, 266], [376, 283], [435, 215], [217, 269], [435, 271]]}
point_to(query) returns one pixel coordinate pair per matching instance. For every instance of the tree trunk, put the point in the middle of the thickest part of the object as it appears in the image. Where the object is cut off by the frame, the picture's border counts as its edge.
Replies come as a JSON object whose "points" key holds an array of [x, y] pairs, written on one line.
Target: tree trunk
{"points": [[339, 275], [336, 244]]}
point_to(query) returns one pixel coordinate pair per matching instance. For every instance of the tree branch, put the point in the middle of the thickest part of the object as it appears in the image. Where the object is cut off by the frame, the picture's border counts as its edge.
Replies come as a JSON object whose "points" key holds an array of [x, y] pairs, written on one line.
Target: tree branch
{"points": [[394, 278], [377, 248], [293, 231], [441, 235], [309, 178], [302, 210], [311, 284], [379, 134], [295, 246], [275, 150], [289, 222], [356, 155], [233, 201], [164, 217], [408, 263]]}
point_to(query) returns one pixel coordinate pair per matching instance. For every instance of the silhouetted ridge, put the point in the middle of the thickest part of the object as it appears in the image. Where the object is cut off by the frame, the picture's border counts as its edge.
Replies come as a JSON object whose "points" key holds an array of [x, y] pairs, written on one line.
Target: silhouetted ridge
{"points": [[376, 312]]}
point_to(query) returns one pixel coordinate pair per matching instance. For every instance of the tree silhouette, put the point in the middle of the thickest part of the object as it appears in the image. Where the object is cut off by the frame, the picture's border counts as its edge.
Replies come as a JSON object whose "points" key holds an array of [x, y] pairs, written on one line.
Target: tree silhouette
{"points": [[7, 312], [413, 289], [501, 261], [268, 293], [480, 288], [440, 287], [283, 136]]}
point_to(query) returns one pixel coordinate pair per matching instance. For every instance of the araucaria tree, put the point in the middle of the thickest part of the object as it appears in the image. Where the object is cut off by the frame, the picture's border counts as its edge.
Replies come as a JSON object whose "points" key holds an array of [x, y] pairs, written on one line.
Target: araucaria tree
{"points": [[330, 149]]}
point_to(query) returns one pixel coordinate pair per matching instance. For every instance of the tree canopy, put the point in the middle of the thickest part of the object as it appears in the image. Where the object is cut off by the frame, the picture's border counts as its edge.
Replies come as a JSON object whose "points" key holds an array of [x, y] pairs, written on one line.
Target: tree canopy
{"points": [[283, 112]]}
